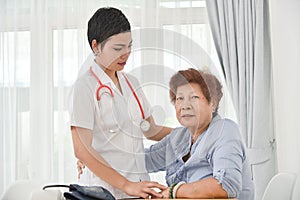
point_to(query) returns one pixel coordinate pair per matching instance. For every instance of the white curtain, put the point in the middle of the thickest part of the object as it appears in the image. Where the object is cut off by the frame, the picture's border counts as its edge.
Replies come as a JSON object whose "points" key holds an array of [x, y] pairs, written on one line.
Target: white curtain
{"points": [[241, 31], [42, 46]]}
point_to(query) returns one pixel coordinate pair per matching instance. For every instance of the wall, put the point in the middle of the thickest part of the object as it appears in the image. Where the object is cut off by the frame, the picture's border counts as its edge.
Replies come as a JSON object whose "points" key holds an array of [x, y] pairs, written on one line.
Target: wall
{"points": [[285, 33]]}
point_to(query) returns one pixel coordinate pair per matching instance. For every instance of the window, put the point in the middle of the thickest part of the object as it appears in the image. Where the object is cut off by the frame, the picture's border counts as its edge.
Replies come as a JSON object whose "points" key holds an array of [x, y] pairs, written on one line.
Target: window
{"points": [[14, 101], [15, 59]]}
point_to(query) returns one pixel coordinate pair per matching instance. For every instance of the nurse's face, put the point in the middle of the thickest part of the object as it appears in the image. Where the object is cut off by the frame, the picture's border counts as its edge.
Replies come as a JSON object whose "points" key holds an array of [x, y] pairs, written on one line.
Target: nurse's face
{"points": [[192, 108], [115, 52]]}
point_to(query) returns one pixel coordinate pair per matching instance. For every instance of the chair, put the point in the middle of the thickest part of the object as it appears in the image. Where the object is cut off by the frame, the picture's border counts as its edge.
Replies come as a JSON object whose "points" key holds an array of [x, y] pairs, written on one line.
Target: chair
{"points": [[280, 187], [53, 194], [30, 190]]}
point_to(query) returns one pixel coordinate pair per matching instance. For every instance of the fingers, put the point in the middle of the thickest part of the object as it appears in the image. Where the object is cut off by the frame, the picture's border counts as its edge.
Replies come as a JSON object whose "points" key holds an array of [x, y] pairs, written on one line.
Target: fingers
{"points": [[165, 193], [151, 184], [80, 164], [144, 189], [79, 170], [80, 167], [149, 189], [152, 193]]}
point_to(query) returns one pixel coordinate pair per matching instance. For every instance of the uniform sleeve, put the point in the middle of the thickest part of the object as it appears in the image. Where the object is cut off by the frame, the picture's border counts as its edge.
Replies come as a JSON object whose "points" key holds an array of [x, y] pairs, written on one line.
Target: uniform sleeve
{"points": [[81, 106], [227, 159]]}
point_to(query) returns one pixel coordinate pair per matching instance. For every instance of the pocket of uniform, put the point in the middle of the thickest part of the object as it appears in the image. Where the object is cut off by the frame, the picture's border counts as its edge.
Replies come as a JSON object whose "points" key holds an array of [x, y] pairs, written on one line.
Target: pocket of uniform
{"points": [[107, 118]]}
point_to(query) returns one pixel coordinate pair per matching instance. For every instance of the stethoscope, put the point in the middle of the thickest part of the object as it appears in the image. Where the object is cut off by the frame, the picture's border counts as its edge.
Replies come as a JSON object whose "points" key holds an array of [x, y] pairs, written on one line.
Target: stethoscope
{"points": [[144, 125]]}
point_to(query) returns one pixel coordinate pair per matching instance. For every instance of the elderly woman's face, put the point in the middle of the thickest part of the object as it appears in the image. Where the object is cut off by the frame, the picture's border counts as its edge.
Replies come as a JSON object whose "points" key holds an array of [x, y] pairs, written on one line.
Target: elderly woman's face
{"points": [[192, 108]]}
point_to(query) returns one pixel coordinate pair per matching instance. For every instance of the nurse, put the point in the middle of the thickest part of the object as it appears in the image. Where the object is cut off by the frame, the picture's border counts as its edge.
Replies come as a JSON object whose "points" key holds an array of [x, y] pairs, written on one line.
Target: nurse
{"points": [[109, 113]]}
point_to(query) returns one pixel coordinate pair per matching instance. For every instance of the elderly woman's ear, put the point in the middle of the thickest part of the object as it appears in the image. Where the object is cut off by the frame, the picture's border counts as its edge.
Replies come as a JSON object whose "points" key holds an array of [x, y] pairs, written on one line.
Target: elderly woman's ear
{"points": [[213, 104]]}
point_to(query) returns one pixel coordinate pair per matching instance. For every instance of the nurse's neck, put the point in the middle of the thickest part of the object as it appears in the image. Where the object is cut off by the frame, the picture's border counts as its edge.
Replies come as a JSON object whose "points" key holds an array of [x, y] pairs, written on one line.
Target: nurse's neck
{"points": [[112, 74]]}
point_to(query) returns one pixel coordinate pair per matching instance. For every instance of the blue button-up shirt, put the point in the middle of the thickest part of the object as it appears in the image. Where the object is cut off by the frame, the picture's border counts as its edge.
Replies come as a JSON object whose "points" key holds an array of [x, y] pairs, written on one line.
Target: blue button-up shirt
{"points": [[218, 152]]}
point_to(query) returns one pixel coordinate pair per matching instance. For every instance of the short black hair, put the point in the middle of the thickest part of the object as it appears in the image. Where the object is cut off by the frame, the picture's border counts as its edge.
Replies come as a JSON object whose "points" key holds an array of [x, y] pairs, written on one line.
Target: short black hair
{"points": [[106, 22]]}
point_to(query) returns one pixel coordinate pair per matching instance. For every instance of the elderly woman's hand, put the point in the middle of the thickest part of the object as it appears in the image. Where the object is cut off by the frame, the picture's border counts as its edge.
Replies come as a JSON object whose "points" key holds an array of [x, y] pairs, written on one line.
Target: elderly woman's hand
{"points": [[165, 193], [80, 167]]}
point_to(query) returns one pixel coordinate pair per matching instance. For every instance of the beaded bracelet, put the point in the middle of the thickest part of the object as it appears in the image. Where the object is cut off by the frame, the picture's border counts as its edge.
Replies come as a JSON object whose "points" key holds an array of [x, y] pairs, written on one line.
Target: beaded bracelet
{"points": [[176, 187], [171, 190]]}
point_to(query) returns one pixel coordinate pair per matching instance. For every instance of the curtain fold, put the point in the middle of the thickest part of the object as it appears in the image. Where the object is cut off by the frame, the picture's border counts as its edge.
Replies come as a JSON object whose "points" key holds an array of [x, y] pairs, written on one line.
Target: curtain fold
{"points": [[41, 95], [241, 34]]}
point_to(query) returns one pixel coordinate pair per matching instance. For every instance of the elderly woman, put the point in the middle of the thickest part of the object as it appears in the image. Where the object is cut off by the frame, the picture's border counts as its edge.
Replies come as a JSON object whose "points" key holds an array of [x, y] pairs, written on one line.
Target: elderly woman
{"points": [[206, 157]]}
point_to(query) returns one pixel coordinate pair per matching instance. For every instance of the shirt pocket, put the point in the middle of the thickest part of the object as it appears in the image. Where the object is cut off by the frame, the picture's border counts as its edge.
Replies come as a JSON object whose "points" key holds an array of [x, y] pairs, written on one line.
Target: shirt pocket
{"points": [[107, 117]]}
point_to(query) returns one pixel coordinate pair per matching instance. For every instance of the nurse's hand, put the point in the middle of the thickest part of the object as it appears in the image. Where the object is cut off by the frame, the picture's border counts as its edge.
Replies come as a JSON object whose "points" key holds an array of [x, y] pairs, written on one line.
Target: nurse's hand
{"points": [[80, 167], [144, 189]]}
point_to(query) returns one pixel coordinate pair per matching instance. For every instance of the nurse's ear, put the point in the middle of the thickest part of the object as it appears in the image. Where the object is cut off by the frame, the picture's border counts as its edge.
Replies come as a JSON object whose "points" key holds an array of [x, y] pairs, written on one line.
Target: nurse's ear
{"points": [[95, 47]]}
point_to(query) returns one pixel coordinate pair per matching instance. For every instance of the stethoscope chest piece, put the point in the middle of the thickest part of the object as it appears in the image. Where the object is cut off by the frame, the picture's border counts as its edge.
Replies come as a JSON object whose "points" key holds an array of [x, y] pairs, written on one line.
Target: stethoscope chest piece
{"points": [[145, 125]]}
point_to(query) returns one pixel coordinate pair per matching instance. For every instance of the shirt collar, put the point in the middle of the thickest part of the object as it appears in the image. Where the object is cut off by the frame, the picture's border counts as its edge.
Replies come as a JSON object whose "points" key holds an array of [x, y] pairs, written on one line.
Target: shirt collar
{"points": [[104, 78], [185, 140], [214, 119]]}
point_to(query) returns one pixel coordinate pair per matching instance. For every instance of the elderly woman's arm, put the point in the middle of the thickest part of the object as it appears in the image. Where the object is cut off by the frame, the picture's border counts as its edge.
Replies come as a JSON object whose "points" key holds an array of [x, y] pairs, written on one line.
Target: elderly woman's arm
{"points": [[206, 188], [226, 157], [155, 156]]}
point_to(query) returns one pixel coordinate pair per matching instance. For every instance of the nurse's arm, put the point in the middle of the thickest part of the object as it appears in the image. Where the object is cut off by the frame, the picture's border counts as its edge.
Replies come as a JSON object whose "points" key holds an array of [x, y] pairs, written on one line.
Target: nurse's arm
{"points": [[82, 142], [156, 132]]}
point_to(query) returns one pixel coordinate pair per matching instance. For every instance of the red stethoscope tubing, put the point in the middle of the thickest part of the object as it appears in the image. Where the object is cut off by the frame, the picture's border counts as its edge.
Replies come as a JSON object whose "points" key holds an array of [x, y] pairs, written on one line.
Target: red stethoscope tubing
{"points": [[101, 85], [135, 95]]}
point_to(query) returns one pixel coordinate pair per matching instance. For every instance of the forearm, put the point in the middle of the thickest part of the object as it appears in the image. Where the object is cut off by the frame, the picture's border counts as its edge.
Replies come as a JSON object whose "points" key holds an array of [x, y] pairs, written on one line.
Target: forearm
{"points": [[82, 141], [156, 132], [103, 170], [160, 133], [206, 188], [90, 157]]}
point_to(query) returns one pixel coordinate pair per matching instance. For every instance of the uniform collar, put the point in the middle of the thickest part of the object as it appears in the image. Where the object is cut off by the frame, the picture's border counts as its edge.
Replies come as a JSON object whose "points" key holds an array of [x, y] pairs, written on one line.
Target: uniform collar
{"points": [[104, 78]]}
